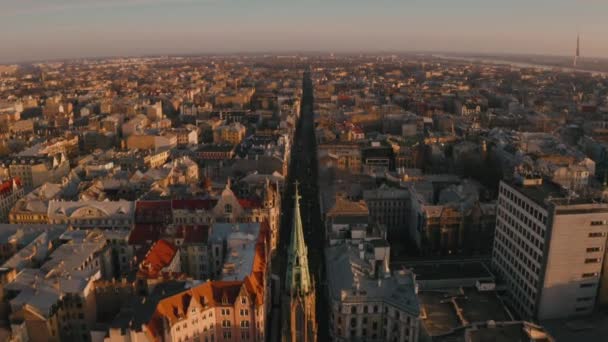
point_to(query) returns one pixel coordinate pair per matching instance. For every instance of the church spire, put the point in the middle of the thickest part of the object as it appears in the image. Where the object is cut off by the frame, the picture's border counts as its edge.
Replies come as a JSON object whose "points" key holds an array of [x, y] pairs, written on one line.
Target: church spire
{"points": [[299, 301], [298, 275]]}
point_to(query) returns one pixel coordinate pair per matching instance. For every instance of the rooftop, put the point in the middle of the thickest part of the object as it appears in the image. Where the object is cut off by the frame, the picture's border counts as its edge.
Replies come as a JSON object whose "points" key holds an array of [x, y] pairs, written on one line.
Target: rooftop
{"points": [[343, 206], [445, 311], [545, 192], [346, 280], [159, 256]]}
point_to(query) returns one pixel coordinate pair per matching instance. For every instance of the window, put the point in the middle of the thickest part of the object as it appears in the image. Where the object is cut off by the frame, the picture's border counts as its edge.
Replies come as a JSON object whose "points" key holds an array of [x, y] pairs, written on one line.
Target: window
{"points": [[586, 285], [225, 323], [596, 234], [244, 324], [228, 209], [592, 260], [593, 249], [243, 300], [584, 299], [598, 223], [590, 275]]}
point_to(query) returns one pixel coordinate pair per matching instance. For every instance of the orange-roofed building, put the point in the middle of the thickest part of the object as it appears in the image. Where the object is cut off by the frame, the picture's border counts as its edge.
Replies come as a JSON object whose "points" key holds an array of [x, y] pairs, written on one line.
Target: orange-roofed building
{"points": [[212, 311], [162, 258], [221, 310]]}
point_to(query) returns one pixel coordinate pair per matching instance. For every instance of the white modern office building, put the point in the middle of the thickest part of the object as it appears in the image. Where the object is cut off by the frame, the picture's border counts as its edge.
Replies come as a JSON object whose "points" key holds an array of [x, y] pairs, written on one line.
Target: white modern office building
{"points": [[549, 248]]}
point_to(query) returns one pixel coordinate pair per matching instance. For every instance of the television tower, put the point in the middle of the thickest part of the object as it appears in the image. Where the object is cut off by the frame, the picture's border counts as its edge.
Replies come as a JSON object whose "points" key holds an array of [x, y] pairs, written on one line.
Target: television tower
{"points": [[578, 49]]}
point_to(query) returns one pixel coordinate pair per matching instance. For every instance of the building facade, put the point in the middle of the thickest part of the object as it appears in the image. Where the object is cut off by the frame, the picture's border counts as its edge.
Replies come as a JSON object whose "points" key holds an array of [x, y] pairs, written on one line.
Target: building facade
{"points": [[231, 134], [367, 302], [389, 206], [549, 248], [35, 171], [92, 214]]}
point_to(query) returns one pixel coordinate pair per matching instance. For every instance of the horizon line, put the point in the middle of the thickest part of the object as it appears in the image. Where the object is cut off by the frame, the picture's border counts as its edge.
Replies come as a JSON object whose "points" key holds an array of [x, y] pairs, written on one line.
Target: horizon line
{"points": [[292, 52]]}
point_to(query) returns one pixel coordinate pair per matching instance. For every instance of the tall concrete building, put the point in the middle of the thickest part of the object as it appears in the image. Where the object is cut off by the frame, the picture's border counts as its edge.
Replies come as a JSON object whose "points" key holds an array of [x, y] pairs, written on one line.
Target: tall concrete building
{"points": [[549, 248], [299, 318]]}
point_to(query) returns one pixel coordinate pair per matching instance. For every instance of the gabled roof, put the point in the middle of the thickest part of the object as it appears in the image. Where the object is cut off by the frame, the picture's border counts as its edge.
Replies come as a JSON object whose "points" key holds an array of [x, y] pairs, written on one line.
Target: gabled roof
{"points": [[208, 294], [158, 257]]}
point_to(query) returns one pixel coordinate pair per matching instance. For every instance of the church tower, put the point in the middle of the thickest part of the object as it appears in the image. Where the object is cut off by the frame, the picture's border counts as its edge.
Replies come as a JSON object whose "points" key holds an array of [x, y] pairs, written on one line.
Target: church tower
{"points": [[299, 319]]}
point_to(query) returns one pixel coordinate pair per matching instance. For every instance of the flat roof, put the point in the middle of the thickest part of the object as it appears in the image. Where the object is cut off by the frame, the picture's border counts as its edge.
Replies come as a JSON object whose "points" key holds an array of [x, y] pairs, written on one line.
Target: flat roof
{"points": [[549, 192], [539, 193], [444, 311]]}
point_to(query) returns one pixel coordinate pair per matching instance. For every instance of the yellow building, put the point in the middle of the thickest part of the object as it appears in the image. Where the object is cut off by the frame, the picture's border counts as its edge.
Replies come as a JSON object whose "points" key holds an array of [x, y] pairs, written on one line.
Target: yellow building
{"points": [[232, 134]]}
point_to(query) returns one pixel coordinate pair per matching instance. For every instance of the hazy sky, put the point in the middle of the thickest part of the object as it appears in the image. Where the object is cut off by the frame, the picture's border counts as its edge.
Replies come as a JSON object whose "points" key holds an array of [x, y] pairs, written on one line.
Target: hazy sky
{"points": [[41, 29]]}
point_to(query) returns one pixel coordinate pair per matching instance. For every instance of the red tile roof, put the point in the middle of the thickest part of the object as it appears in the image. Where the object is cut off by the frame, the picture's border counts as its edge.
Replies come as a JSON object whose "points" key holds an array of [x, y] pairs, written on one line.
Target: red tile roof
{"points": [[161, 204], [7, 186], [143, 234], [194, 204], [174, 308], [159, 256], [193, 234], [250, 203], [214, 293]]}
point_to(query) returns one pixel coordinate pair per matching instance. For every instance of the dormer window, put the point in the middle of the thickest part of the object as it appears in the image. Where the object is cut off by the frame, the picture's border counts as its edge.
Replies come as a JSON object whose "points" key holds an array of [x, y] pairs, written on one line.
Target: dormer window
{"points": [[243, 300]]}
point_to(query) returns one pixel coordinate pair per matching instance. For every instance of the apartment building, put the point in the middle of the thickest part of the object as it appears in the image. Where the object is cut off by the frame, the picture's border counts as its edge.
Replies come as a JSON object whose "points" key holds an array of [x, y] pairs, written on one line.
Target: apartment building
{"points": [[92, 214], [35, 171], [389, 206], [367, 301], [233, 134]]}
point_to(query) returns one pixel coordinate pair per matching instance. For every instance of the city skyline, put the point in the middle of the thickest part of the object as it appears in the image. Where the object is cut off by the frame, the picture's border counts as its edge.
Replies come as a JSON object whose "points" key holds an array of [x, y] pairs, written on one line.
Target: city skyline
{"points": [[59, 29]]}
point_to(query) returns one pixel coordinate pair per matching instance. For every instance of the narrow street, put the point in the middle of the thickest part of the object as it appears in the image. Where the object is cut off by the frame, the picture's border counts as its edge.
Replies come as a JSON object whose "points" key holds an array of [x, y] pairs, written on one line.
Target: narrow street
{"points": [[303, 168]]}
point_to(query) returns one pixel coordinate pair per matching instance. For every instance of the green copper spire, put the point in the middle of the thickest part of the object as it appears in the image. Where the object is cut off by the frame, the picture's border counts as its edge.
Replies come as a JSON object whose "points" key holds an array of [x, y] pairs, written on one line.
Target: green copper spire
{"points": [[298, 276]]}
